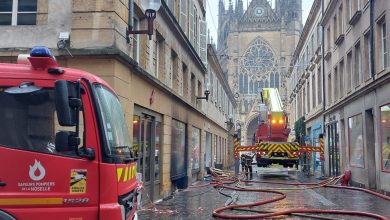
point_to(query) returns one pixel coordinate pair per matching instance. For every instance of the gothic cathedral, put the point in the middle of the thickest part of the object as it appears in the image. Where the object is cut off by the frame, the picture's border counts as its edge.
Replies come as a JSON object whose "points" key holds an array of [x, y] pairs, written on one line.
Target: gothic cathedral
{"points": [[255, 48]]}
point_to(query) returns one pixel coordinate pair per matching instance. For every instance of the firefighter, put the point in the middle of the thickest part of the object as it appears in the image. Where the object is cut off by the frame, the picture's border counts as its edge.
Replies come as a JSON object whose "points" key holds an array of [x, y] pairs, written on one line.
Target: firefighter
{"points": [[246, 164], [243, 156]]}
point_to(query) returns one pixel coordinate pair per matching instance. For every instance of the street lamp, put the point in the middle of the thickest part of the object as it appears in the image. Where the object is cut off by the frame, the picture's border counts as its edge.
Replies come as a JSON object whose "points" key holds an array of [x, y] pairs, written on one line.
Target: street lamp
{"points": [[229, 121], [151, 7], [206, 93]]}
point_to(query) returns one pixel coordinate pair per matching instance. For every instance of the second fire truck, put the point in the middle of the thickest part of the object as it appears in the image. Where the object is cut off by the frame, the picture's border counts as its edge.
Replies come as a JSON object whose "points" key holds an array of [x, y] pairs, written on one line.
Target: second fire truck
{"points": [[272, 132]]}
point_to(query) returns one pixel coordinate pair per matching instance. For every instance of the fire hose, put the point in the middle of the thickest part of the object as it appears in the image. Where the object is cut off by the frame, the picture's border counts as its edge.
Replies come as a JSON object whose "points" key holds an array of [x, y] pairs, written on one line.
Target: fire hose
{"points": [[225, 180]]}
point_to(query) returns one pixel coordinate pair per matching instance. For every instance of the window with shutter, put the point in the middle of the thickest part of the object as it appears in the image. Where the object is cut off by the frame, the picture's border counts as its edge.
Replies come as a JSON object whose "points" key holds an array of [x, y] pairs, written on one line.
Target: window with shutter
{"points": [[203, 42], [191, 22], [183, 15]]}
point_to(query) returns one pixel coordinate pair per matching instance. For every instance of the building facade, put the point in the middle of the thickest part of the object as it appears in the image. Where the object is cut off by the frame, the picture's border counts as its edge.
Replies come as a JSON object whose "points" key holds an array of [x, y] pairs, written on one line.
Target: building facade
{"points": [[255, 47], [221, 103], [355, 90], [305, 82], [159, 81]]}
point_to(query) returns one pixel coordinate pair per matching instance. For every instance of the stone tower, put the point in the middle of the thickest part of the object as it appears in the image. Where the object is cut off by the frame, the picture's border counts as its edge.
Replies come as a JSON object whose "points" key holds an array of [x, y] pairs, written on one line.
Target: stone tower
{"points": [[255, 47]]}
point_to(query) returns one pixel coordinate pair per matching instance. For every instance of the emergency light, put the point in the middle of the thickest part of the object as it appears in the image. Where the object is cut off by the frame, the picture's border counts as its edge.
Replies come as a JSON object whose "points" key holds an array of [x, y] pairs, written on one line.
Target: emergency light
{"points": [[41, 51], [42, 58]]}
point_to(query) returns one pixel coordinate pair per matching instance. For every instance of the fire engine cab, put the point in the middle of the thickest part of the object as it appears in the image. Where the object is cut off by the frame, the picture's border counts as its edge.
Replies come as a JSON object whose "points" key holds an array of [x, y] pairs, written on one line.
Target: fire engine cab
{"points": [[64, 145]]}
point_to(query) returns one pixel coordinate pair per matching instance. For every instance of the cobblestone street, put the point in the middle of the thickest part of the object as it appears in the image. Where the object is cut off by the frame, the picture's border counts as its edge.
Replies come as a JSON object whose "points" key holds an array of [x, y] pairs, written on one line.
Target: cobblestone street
{"points": [[199, 203]]}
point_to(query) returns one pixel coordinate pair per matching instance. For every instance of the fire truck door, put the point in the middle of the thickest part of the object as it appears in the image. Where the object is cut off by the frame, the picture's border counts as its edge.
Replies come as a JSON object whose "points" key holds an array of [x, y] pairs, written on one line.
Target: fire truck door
{"points": [[37, 182]]}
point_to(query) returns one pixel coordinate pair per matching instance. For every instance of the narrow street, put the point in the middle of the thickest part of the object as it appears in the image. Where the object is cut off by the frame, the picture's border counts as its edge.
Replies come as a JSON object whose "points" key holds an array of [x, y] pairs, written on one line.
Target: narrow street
{"points": [[199, 203], [140, 109]]}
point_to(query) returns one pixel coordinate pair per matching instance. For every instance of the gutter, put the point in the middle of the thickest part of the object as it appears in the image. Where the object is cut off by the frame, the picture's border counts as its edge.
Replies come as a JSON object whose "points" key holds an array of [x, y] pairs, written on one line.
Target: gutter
{"points": [[323, 64], [372, 48]]}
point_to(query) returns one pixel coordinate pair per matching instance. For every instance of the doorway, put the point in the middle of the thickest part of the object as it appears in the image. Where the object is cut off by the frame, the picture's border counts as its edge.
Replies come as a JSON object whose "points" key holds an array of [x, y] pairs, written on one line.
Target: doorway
{"points": [[333, 149], [146, 140], [208, 152]]}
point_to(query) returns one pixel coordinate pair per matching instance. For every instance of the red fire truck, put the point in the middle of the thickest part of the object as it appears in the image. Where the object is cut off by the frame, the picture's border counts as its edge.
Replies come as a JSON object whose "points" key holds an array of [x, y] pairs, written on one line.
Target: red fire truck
{"points": [[272, 133], [64, 147]]}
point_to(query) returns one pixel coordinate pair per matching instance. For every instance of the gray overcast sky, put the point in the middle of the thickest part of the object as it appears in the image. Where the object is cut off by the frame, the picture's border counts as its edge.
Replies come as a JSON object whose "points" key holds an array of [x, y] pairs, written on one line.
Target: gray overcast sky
{"points": [[212, 13]]}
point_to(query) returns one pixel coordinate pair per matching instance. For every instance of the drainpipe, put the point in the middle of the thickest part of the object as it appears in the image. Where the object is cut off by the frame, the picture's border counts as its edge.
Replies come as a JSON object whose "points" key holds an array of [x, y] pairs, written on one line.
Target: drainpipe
{"points": [[372, 48], [323, 80], [323, 58], [130, 21]]}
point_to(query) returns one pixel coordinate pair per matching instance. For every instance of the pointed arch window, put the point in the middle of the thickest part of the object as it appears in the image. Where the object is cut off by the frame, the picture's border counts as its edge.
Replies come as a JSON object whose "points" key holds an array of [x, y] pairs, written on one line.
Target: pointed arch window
{"points": [[272, 79], [266, 84], [277, 82], [261, 85], [251, 87], [256, 87], [245, 84], [241, 83]]}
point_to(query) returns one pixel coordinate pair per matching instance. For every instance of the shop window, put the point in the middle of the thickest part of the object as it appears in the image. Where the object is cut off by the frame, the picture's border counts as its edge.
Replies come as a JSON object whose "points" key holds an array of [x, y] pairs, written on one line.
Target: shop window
{"points": [[135, 147], [178, 152], [157, 148], [136, 131], [195, 148], [18, 12], [355, 141], [385, 135]]}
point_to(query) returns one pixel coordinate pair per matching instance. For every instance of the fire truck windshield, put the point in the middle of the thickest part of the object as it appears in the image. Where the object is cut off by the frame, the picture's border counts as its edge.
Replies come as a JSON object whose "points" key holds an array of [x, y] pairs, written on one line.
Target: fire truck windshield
{"points": [[116, 134]]}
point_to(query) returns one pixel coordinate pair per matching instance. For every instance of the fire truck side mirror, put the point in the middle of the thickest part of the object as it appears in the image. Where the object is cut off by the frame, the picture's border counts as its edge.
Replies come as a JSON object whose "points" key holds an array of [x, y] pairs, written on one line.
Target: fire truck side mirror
{"points": [[67, 102], [66, 141]]}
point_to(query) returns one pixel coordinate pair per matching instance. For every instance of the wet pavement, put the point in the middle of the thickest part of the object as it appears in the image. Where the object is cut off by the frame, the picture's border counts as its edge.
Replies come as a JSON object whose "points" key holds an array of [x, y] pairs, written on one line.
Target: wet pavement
{"points": [[199, 203]]}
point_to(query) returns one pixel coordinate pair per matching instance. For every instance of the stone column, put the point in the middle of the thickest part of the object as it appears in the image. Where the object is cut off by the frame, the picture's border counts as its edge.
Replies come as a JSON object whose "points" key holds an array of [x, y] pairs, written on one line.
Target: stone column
{"points": [[189, 153], [166, 183]]}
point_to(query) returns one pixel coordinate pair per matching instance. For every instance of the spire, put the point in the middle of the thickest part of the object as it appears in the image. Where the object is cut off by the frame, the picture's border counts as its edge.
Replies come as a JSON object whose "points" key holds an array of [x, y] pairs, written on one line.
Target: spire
{"points": [[230, 6], [277, 6], [221, 7], [240, 7]]}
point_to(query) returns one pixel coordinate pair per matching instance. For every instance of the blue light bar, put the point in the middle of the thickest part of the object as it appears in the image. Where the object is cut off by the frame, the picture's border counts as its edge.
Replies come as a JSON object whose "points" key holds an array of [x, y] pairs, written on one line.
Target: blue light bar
{"points": [[41, 51]]}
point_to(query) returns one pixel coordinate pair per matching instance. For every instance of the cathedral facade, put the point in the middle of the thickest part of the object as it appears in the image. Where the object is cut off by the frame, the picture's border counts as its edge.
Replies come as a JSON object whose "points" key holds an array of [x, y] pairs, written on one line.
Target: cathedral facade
{"points": [[255, 48]]}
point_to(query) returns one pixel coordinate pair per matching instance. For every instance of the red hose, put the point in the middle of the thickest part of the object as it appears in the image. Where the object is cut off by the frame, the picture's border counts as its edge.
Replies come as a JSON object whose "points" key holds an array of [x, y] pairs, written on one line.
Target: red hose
{"points": [[361, 189], [291, 211], [281, 195]]}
